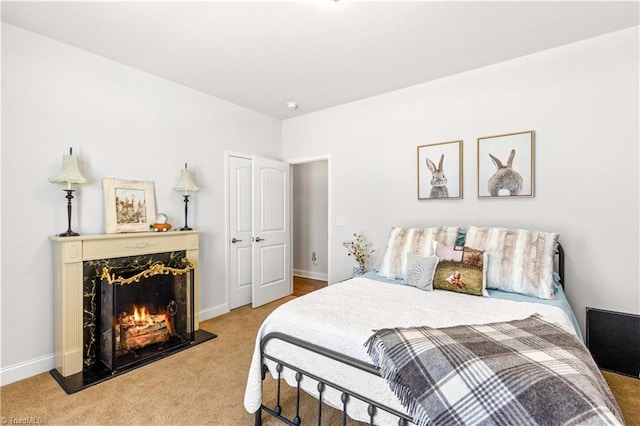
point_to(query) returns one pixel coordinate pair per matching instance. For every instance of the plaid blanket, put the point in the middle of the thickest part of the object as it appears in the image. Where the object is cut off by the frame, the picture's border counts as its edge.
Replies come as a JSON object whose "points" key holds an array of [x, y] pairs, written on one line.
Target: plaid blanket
{"points": [[522, 372]]}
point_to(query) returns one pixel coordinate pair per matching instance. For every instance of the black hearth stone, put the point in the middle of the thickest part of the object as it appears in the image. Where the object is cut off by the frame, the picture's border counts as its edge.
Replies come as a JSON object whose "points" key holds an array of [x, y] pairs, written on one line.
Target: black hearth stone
{"points": [[99, 373]]}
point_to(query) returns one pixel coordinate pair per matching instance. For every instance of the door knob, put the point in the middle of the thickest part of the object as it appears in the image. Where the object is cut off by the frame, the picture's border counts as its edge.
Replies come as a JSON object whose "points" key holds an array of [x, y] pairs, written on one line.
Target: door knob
{"points": [[258, 239], [235, 240]]}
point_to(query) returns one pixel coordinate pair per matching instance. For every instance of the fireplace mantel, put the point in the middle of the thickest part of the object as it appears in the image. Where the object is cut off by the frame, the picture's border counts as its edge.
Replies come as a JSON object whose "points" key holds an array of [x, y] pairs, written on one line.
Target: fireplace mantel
{"points": [[69, 255]]}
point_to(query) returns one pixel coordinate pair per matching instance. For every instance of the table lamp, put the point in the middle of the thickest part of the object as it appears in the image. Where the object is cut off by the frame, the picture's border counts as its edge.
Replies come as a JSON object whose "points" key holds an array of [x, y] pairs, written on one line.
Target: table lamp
{"points": [[185, 185], [70, 174]]}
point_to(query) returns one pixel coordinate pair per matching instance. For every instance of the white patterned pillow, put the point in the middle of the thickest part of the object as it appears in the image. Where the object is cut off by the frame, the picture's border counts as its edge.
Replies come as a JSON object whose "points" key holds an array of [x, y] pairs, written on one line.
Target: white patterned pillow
{"points": [[420, 271], [520, 261], [418, 241]]}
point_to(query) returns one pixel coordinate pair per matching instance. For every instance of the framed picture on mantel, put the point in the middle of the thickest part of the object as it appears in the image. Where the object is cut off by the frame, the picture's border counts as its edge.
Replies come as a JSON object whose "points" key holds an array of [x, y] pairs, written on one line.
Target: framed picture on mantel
{"points": [[129, 205]]}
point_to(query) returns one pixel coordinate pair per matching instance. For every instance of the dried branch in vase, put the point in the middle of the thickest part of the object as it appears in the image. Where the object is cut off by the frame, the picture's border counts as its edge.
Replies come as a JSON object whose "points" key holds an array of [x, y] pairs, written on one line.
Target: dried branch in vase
{"points": [[359, 249]]}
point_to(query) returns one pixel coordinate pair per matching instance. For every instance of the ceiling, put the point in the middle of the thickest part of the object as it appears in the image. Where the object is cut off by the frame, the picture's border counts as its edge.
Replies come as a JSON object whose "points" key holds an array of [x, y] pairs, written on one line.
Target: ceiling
{"points": [[317, 53]]}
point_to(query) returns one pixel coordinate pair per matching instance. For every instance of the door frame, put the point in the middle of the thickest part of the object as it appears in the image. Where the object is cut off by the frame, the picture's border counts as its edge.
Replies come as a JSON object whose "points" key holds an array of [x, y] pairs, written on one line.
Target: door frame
{"points": [[315, 159]]}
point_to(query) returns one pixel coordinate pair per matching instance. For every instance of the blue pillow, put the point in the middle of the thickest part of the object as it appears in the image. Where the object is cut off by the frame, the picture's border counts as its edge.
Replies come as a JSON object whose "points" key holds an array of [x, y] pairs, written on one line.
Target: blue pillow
{"points": [[462, 236]]}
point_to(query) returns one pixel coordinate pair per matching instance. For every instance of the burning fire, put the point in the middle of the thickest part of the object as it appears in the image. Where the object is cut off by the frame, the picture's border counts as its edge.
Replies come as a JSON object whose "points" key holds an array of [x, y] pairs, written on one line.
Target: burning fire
{"points": [[141, 328], [142, 319], [142, 315]]}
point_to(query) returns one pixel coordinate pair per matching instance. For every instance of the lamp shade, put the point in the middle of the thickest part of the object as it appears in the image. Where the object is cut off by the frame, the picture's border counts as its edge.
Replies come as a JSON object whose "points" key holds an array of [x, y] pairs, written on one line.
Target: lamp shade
{"points": [[186, 184], [69, 172]]}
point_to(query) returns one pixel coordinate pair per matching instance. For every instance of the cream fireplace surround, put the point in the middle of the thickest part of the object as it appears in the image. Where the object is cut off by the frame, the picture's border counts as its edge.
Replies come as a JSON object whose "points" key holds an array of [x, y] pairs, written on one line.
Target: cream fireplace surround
{"points": [[69, 255]]}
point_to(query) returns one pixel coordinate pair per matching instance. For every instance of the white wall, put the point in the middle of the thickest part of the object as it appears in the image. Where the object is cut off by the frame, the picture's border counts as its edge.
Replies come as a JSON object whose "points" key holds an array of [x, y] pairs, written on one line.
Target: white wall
{"points": [[122, 123], [581, 99], [582, 102], [310, 219]]}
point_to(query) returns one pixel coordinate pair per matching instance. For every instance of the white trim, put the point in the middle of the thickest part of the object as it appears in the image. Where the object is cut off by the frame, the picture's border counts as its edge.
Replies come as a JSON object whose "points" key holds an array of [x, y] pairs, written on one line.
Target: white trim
{"points": [[213, 311], [26, 369], [310, 274], [237, 154], [311, 159]]}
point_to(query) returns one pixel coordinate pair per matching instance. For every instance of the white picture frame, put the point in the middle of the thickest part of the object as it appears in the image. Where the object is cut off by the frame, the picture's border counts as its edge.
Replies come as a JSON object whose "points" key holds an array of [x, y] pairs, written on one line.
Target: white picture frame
{"points": [[129, 205]]}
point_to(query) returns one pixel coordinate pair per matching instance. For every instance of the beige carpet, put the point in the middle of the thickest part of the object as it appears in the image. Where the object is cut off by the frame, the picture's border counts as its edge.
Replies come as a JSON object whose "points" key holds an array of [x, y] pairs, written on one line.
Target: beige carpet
{"points": [[203, 385], [627, 392]]}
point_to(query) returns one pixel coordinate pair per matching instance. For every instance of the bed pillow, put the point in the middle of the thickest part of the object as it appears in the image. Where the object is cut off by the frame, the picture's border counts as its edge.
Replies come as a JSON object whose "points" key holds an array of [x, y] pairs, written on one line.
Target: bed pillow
{"points": [[460, 269], [520, 261], [420, 271], [462, 234], [418, 241]]}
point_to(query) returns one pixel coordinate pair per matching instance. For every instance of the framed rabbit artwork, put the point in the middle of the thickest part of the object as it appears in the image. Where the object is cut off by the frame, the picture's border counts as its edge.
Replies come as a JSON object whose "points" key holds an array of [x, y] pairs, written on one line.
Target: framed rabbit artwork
{"points": [[440, 171], [506, 165]]}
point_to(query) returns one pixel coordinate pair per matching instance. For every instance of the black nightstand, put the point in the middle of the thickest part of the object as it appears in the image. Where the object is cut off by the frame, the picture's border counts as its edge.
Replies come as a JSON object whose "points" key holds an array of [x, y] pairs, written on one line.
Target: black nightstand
{"points": [[613, 338]]}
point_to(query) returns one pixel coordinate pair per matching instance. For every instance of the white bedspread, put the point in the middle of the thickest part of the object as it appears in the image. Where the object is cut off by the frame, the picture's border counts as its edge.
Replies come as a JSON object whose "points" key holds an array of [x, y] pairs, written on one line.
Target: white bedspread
{"points": [[342, 316]]}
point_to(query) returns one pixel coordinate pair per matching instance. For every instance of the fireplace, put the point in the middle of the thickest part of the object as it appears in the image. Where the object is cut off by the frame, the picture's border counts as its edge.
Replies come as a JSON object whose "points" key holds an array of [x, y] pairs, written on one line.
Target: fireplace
{"points": [[122, 301], [144, 313]]}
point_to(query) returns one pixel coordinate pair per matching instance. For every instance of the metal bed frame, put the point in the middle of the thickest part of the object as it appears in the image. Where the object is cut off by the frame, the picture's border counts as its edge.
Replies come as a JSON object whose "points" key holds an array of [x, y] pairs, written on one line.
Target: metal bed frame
{"points": [[347, 395]]}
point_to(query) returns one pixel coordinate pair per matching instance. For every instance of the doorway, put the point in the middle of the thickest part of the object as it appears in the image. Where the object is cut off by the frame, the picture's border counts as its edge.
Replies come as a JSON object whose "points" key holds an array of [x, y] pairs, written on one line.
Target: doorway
{"points": [[310, 214]]}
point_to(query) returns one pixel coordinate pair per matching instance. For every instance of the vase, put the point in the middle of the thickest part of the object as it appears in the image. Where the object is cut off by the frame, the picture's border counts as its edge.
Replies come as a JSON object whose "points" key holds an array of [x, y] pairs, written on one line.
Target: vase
{"points": [[358, 270]]}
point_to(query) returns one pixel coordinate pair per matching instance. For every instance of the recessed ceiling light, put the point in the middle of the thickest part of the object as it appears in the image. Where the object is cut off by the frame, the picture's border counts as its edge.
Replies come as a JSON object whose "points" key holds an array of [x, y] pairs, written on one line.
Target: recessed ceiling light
{"points": [[292, 105]]}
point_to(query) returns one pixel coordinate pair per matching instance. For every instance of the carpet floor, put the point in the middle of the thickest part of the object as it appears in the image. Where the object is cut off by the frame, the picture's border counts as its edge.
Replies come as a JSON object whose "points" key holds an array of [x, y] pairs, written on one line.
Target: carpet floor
{"points": [[203, 385]]}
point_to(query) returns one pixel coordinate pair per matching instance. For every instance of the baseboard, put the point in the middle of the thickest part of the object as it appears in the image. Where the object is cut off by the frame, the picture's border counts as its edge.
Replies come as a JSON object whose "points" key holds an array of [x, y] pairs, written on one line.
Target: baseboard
{"points": [[43, 364], [212, 312], [310, 274], [26, 369]]}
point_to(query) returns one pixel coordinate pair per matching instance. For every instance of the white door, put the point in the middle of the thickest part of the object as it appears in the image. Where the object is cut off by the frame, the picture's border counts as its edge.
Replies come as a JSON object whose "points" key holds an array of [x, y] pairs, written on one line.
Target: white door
{"points": [[271, 231], [240, 225]]}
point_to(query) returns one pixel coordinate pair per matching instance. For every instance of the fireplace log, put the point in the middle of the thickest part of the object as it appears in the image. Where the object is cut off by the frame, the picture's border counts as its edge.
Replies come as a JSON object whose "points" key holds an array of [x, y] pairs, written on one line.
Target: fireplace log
{"points": [[133, 330], [139, 342]]}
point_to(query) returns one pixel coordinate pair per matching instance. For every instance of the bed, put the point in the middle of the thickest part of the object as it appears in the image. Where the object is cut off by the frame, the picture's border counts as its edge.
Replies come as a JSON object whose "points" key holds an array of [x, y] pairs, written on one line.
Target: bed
{"points": [[321, 343]]}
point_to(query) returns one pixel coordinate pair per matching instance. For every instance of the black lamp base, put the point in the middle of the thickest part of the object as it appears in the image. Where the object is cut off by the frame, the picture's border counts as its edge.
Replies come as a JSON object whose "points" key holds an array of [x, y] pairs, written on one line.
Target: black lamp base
{"points": [[69, 233], [186, 203]]}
